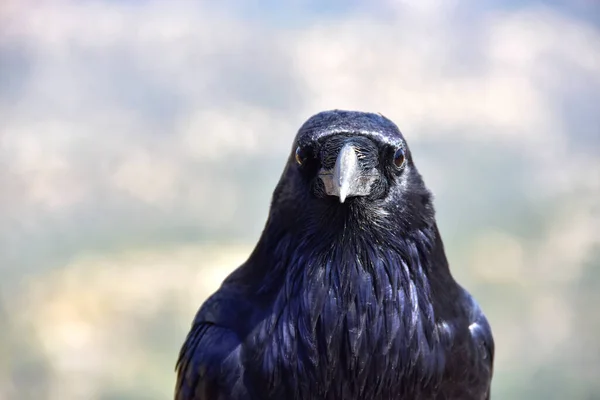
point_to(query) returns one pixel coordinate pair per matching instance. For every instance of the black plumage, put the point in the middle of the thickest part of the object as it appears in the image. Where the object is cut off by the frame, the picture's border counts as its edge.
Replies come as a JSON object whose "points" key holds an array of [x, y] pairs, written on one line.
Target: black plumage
{"points": [[348, 293]]}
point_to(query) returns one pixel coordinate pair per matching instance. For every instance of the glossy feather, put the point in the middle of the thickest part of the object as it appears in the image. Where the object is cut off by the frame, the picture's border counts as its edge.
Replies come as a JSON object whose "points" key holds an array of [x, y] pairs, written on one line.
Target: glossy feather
{"points": [[342, 301]]}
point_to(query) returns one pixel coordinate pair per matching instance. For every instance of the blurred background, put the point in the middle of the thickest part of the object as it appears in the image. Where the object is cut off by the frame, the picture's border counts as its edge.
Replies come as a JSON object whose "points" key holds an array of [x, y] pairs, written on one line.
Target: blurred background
{"points": [[140, 142]]}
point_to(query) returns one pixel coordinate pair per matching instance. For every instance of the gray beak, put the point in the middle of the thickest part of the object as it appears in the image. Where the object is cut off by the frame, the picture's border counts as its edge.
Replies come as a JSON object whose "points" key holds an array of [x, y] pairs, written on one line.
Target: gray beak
{"points": [[347, 179]]}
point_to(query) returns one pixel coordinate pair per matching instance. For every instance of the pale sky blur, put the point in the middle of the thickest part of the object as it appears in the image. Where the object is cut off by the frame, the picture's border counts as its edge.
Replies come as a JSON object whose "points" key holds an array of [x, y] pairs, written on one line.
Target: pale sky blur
{"points": [[140, 142]]}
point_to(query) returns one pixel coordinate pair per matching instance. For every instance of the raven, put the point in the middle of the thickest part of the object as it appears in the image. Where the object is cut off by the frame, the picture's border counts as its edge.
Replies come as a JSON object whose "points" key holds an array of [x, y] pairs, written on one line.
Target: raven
{"points": [[348, 294]]}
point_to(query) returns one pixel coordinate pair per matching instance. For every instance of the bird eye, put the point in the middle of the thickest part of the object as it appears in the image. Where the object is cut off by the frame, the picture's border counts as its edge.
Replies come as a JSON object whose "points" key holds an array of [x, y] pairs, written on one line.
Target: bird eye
{"points": [[399, 158], [300, 156]]}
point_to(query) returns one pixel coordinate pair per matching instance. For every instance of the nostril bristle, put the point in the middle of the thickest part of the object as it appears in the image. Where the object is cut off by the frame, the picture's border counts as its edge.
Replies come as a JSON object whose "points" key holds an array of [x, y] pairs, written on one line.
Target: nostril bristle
{"points": [[366, 151]]}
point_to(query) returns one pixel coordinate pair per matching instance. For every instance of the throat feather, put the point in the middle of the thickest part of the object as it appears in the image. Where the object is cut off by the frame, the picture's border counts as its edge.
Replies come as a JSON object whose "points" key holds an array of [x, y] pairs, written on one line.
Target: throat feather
{"points": [[355, 317], [355, 306]]}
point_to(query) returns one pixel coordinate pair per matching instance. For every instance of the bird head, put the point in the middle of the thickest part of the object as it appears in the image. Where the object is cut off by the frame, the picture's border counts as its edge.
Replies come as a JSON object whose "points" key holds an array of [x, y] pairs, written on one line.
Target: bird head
{"points": [[350, 160]]}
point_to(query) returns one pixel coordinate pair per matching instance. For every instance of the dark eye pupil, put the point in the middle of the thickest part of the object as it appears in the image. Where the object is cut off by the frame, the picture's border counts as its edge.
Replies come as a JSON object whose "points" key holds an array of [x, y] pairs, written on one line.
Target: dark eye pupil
{"points": [[300, 156], [399, 158]]}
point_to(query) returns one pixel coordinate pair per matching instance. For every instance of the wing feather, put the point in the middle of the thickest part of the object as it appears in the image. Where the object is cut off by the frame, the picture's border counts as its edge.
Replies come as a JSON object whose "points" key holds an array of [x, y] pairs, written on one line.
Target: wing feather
{"points": [[209, 367], [481, 332]]}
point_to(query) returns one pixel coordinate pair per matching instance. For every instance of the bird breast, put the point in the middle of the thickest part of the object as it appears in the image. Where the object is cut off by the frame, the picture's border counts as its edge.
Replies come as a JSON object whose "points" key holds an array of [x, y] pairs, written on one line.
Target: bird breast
{"points": [[349, 326]]}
